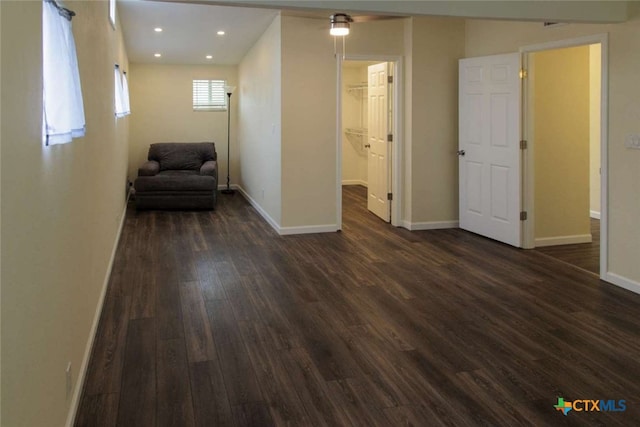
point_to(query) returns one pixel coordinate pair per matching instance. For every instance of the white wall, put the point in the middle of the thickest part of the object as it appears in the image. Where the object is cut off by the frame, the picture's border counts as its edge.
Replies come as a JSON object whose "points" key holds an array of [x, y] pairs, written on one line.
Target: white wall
{"points": [[492, 37], [259, 129], [354, 116], [61, 209], [162, 105]]}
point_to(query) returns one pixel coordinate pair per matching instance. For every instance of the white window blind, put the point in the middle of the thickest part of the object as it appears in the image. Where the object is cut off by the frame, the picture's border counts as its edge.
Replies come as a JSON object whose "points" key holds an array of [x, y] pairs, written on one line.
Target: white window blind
{"points": [[209, 95]]}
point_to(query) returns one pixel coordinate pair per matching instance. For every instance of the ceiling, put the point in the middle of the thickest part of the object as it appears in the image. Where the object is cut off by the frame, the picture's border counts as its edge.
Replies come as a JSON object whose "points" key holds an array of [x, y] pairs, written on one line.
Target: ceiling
{"points": [[189, 31], [190, 26]]}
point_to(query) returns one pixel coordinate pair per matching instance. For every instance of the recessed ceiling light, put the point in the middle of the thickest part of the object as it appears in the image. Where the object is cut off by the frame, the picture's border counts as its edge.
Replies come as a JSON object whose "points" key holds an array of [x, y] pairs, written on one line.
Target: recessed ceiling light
{"points": [[157, 55], [220, 33], [209, 56], [157, 30]]}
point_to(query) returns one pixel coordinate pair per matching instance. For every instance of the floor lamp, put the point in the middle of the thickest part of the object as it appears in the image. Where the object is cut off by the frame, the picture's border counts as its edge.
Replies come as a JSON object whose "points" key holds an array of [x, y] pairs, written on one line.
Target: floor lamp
{"points": [[229, 90]]}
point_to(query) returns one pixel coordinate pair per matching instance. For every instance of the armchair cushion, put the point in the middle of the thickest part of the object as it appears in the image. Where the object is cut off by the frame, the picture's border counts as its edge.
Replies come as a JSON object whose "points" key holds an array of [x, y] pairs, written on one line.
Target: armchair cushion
{"points": [[175, 183], [184, 156], [149, 168]]}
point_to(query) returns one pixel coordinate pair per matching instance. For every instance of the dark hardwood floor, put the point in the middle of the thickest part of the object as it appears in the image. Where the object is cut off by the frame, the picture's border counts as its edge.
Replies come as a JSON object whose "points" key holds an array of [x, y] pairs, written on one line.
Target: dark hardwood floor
{"points": [[583, 255], [211, 319]]}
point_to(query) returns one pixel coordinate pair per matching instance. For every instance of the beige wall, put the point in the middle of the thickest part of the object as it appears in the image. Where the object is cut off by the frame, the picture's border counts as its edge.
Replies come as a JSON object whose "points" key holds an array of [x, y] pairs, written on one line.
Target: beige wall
{"points": [[162, 111], [431, 47], [435, 47], [354, 116], [491, 37], [259, 129], [61, 210], [595, 78], [308, 124], [561, 142]]}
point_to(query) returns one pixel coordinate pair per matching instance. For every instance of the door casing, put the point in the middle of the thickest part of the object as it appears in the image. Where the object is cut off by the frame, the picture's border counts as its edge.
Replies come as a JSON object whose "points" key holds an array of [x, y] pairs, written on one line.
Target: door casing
{"points": [[396, 163], [528, 231]]}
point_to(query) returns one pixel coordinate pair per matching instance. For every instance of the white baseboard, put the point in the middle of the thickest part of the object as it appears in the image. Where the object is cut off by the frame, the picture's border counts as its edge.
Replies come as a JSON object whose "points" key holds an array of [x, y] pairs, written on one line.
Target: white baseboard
{"points": [[283, 231], [623, 282], [82, 372], [429, 225], [594, 214], [562, 240], [354, 182], [272, 222], [308, 229]]}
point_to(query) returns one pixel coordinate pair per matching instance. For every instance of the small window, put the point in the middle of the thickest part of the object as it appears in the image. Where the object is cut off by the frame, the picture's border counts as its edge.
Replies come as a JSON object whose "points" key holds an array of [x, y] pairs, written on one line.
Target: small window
{"points": [[112, 13], [208, 95]]}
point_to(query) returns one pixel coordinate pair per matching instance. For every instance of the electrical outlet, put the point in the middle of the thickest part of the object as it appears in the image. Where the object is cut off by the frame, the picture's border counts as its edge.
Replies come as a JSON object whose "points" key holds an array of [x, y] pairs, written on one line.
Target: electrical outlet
{"points": [[69, 383], [632, 141]]}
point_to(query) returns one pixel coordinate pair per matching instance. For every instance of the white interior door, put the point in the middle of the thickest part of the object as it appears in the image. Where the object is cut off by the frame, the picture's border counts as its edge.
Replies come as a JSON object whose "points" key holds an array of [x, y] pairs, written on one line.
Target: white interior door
{"points": [[489, 147], [378, 129]]}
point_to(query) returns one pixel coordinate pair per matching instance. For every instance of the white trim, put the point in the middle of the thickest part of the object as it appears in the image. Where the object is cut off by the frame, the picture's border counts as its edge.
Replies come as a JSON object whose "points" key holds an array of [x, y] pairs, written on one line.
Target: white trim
{"points": [[563, 240], [272, 222], [283, 231], [82, 372], [354, 182], [594, 214], [603, 40], [339, 140], [623, 282], [430, 225], [308, 229], [397, 168]]}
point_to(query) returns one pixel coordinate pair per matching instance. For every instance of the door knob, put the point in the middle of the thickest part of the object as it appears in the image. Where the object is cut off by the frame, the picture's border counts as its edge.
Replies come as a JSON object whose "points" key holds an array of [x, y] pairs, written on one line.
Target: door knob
{"points": [[367, 145], [461, 153]]}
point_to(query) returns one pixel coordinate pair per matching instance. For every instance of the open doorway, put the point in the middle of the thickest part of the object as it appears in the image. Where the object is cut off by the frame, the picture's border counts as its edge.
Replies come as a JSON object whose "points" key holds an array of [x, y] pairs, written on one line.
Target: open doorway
{"points": [[368, 140], [360, 122], [564, 137]]}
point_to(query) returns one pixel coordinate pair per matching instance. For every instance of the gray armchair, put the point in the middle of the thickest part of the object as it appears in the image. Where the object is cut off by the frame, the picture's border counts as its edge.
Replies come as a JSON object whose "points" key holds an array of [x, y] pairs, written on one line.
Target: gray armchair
{"points": [[178, 175]]}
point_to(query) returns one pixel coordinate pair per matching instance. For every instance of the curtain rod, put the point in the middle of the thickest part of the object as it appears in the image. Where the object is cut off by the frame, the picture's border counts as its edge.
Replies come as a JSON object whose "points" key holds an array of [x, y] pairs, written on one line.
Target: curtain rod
{"points": [[63, 11]]}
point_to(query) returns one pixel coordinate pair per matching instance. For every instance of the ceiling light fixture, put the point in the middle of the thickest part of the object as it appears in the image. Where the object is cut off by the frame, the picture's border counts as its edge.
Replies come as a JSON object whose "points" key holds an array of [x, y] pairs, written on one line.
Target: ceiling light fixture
{"points": [[340, 24], [157, 30], [220, 33], [209, 56], [157, 55]]}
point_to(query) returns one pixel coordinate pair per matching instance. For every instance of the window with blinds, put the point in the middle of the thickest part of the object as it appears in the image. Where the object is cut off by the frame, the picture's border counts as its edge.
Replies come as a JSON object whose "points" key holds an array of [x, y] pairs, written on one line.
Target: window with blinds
{"points": [[209, 95]]}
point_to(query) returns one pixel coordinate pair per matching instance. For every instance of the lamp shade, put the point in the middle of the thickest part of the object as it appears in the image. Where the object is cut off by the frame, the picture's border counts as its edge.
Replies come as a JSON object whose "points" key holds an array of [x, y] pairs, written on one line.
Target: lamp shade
{"points": [[229, 89], [340, 24]]}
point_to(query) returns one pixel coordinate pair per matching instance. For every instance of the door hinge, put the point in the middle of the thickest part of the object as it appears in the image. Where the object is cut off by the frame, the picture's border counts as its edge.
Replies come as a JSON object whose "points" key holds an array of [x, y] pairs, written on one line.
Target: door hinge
{"points": [[389, 138], [389, 196], [523, 216], [523, 73], [523, 144], [389, 79]]}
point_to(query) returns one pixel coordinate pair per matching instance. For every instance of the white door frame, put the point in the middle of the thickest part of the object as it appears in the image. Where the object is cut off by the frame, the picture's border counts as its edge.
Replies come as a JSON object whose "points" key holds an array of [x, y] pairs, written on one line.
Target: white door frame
{"points": [[528, 181], [398, 137]]}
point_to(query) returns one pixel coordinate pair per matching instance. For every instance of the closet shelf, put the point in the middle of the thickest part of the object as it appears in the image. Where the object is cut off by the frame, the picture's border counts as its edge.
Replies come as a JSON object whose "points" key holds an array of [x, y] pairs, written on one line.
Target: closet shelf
{"points": [[356, 131], [357, 87]]}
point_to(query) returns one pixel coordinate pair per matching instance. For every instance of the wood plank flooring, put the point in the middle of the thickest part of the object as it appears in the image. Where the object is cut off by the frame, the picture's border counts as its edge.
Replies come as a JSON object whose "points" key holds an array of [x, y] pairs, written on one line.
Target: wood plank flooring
{"points": [[211, 319]]}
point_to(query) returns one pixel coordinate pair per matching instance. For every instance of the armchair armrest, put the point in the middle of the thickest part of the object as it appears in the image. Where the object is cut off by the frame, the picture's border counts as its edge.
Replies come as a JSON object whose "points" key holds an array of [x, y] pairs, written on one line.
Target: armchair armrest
{"points": [[210, 167], [149, 168]]}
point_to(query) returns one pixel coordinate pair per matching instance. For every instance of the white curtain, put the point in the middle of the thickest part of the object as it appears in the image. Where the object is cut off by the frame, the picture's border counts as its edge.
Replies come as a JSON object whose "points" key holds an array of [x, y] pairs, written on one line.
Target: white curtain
{"points": [[118, 92], [121, 94], [62, 94], [125, 94]]}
